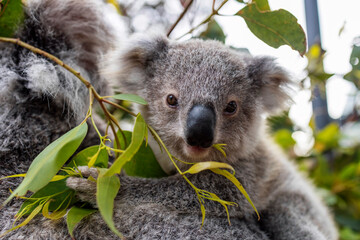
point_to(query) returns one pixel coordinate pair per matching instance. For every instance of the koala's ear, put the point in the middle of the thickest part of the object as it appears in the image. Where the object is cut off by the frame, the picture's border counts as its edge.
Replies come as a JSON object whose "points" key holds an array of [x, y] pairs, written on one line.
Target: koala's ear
{"points": [[130, 66], [272, 83]]}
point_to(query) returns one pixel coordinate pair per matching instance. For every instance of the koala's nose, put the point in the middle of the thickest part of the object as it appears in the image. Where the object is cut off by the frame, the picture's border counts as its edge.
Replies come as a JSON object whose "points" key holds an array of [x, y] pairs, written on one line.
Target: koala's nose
{"points": [[200, 126]]}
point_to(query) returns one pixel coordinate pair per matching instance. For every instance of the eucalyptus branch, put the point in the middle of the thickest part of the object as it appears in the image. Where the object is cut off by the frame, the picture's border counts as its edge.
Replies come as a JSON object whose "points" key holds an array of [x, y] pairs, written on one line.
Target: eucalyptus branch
{"points": [[213, 13], [53, 58], [111, 120], [119, 107], [180, 17], [75, 73], [213, 6]]}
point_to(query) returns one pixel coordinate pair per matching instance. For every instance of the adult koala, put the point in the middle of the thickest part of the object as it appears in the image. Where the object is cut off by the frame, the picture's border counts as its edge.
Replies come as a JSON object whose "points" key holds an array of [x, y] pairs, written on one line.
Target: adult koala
{"points": [[199, 93], [39, 100]]}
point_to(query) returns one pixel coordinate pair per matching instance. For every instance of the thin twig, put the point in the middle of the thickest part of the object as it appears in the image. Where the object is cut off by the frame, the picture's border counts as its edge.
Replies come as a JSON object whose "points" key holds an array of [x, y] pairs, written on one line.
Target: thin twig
{"points": [[180, 17], [110, 120], [77, 74], [120, 107], [51, 57], [214, 12]]}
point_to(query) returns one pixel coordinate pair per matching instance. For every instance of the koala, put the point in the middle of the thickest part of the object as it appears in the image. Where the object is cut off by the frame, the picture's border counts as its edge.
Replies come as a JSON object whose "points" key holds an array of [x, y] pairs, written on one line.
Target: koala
{"points": [[39, 100], [199, 93]]}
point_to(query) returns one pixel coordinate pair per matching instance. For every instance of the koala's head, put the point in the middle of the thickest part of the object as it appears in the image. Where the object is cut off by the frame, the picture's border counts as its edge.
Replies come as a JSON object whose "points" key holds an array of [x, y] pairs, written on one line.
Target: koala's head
{"points": [[201, 93]]}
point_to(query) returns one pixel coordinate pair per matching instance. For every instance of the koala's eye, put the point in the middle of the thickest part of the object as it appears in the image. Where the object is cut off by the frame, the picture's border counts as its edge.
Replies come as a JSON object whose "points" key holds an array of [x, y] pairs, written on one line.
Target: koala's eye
{"points": [[172, 100], [230, 108]]}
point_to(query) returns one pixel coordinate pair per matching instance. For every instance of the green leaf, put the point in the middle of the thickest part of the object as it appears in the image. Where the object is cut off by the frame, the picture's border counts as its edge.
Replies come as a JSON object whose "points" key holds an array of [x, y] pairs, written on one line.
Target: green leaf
{"points": [[263, 5], [239, 186], [14, 176], [354, 75], [49, 161], [283, 137], [58, 192], [220, 147], [144, 163], [279, 122], [75, 215], [83, 157], [137, 139], [201, 166], [11, 16], [213, 31], [275, 28], [107, 189], [58, 213], [26, 221], [327, 138], [131, 98]]}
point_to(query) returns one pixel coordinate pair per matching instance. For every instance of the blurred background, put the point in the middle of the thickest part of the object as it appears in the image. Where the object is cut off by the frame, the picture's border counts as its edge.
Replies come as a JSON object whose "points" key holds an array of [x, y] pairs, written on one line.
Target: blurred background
{"points": [[321, 130]]}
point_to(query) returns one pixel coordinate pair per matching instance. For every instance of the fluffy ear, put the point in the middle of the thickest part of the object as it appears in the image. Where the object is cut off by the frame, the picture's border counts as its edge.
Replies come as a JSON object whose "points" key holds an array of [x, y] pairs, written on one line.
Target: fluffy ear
{"points": [[131, 66], [271, 82]]}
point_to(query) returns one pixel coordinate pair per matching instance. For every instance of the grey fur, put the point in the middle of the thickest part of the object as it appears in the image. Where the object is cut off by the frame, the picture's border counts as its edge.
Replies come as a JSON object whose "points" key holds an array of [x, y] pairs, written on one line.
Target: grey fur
{"points": [[207, 72], [39, 100], [33, 115]]}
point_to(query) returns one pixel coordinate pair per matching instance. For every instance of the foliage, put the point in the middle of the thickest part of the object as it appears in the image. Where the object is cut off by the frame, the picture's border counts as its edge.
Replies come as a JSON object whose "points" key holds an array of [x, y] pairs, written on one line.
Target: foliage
{"points": [[354, 74], [143, 157], [334, 161], [11, 15], [275, 28]]}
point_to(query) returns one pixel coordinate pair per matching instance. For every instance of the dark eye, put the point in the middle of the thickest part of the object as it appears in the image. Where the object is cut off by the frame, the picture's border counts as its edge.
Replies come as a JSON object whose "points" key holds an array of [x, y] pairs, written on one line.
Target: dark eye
{"points": [[172, 100], [230, 108]]}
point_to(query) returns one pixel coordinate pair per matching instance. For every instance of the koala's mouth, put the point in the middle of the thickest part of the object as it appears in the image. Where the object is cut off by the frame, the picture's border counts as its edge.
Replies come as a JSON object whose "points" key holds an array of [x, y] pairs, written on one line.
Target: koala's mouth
{"points": [[196, 152]]}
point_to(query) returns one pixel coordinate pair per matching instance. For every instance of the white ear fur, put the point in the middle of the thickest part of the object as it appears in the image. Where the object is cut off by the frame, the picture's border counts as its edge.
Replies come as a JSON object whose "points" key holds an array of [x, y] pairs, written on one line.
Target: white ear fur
{"points": [[272, 82], [127, 66]]}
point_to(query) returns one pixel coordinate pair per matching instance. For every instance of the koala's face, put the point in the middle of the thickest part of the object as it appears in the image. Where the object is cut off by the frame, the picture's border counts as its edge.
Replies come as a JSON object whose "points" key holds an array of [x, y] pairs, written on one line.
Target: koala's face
{"points": [[201, 93]]}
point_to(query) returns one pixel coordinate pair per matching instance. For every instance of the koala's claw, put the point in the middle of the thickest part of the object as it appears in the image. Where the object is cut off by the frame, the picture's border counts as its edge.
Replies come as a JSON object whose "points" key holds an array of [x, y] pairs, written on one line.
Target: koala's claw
{"points": [[85, 189], [87, 172]]}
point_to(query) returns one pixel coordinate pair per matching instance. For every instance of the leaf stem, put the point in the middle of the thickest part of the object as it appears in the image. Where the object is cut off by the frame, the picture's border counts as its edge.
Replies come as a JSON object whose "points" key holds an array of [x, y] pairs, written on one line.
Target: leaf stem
{"points": [[119, 106]]}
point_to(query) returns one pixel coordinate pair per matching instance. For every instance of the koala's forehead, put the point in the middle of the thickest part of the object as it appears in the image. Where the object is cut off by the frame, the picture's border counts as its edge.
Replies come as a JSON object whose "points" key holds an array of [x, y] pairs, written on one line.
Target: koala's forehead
{"points": [[205, 66]]}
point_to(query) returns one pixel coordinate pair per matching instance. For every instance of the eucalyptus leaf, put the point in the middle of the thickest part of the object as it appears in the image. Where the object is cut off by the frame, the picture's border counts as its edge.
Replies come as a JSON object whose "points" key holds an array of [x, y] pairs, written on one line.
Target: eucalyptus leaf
{"points": [[75, 215], [82, 158], [213, 31], [11, 16], [201, 166], [49, 161], [26, 221], [144, 163], [107, 189], [58, 188], [263, 5], [139, 133], [131, 98], [58, 213], [354, 74], [275, 28], [239, 186]]}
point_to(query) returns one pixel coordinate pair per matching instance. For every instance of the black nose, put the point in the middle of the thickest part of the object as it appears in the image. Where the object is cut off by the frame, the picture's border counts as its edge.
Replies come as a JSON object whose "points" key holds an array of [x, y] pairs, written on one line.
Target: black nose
{"points": [[200, 126]]}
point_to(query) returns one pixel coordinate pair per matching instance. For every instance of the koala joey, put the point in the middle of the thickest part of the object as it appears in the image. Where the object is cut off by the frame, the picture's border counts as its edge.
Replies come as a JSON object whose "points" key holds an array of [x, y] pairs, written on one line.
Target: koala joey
{"points": [[199, 93]]}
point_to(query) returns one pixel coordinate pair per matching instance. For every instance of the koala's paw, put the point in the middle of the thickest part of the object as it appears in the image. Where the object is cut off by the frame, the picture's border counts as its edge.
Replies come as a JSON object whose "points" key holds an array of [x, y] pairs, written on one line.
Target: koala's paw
{"points": [[85, 189], [87, 172]]}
